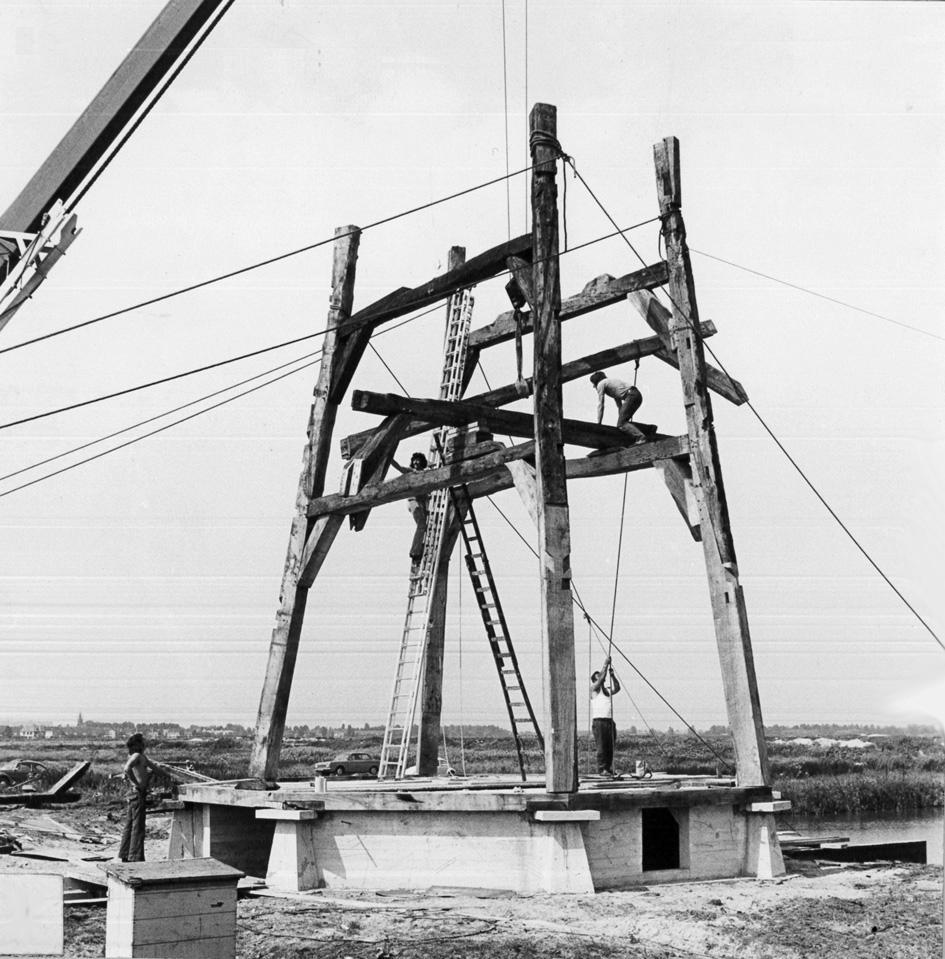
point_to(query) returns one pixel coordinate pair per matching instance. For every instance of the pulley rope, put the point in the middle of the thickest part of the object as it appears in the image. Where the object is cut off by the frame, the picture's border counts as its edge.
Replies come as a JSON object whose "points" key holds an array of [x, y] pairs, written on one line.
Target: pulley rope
{"points": [[687, 320], [621, 653]]}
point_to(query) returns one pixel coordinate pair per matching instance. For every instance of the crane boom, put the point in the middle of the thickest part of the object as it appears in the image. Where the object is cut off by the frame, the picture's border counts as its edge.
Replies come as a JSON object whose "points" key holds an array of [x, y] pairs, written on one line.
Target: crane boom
{"points": [[30, 228]]}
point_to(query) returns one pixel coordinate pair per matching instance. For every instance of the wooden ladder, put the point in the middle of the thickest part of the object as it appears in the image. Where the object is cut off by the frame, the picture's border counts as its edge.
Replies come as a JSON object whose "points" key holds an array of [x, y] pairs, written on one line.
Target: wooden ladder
{"points": [[408, 677], [517, 703]]}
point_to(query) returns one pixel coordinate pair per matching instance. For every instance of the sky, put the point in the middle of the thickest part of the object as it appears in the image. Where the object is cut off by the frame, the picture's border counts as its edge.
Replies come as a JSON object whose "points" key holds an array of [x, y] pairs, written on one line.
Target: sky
{"points": [[143, 585]]}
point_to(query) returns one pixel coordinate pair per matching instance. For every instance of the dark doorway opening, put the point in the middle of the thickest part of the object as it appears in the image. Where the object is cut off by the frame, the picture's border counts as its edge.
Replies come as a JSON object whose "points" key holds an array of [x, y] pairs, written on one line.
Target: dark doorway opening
{"points": [[660, 840]]}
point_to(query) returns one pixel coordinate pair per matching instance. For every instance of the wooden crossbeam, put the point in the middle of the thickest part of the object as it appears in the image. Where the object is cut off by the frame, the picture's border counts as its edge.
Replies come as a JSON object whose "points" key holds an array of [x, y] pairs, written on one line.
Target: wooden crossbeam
{"points": [[600, 292], [490, 474], [419, 483], [461, 412], [355, 334], [659, 318], [502, 395]]}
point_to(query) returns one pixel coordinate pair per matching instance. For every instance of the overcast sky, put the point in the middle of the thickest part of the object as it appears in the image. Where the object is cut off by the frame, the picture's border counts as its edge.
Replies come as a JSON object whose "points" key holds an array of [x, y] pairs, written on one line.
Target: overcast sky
{"points": [[144, 585]]}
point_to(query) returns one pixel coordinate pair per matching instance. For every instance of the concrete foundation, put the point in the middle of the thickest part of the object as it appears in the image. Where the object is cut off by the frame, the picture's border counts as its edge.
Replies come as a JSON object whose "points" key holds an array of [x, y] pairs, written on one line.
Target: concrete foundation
{"points": [[484, 833]]}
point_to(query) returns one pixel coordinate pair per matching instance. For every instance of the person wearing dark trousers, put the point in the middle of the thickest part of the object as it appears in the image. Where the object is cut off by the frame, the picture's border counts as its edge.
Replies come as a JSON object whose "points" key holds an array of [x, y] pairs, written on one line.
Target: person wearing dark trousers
{"points": [[137, 772], [602, 714]]}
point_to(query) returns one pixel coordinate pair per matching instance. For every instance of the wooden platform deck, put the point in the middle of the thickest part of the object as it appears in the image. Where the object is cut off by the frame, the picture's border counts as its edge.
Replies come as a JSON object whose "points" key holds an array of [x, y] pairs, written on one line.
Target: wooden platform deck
{"points": [[493, 831]]}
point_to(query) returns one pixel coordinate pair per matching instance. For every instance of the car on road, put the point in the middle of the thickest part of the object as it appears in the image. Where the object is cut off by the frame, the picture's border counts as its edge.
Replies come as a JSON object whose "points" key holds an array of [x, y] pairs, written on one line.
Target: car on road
{"points": [[349, 764], [20, 772]]}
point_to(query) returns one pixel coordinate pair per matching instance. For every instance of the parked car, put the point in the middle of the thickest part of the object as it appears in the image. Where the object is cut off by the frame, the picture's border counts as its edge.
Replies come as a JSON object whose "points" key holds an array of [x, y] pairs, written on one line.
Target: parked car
{"points": [[20, 772], [347, 764]]}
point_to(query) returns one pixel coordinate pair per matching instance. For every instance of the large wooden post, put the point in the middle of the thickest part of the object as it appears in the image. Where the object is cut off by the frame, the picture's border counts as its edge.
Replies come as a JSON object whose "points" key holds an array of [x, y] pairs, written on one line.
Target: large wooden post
{"points": [[554, 530], [431, 695], [728, 602], [284, 645]]}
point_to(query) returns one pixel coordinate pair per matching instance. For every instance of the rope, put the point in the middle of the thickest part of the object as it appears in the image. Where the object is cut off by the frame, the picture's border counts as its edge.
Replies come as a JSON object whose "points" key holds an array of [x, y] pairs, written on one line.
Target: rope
{"points": [[462, 734], [184, 419], [235, 359], [688, 321], [505, 101], [613, 608], [621, 653], [822, 296]]}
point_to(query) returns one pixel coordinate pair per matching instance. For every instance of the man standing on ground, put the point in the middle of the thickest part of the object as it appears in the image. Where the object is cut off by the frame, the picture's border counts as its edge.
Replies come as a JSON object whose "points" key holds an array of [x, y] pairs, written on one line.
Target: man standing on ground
{"points": [[628, 399], [138, 771], [602, 714]]}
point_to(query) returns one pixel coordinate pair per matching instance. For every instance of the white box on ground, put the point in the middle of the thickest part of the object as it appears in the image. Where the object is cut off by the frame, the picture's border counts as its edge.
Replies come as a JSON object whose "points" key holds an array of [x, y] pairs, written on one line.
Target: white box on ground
{"points": [[30, 914]]}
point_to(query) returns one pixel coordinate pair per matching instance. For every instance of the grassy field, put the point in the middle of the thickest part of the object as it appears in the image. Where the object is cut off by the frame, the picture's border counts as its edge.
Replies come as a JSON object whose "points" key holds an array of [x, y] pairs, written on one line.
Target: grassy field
{"points": [[900, 774]]}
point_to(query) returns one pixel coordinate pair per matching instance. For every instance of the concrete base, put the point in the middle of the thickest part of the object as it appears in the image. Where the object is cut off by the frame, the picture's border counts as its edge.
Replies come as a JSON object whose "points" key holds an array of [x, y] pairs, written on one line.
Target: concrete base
{"points": [[417, 835]]}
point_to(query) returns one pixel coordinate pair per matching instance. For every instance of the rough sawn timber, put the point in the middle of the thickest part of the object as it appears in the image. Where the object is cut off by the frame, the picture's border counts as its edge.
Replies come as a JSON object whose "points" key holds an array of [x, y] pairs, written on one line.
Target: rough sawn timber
{"points": [[283, 647], [554, 525], [487, 475], [600, 292], [462, 412], [728, 605], [503, 395]]}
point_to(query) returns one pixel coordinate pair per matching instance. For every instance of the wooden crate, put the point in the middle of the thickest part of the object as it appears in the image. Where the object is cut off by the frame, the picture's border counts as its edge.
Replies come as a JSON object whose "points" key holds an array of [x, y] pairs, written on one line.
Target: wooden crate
{"points": [[183, 908]]}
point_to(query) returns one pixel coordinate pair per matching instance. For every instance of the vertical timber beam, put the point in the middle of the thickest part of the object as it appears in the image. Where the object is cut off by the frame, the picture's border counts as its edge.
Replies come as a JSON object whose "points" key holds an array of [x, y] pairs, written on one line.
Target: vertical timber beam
{"points": [[284, 645], [431, 694], [554, 529], [728, 602]]}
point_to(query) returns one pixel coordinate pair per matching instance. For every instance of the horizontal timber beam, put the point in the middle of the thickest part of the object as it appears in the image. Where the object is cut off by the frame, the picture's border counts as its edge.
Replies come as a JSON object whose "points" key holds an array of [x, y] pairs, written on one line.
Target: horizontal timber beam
{"points": [[659, 319], [600, 292], [461, 412], [490, 474], [634, 350], [473, 271], [419, 483]]}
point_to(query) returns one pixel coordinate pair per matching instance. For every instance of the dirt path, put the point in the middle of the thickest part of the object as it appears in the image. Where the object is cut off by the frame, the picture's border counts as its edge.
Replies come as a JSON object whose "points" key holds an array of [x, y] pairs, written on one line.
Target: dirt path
{"points": [[815, 912]]}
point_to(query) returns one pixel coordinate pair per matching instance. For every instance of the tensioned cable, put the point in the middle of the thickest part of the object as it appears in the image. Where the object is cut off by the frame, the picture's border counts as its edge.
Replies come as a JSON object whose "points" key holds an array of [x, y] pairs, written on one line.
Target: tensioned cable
{"points": [[151, 419], [259, 264], [587, 615], [688, 320], [822, 296], [505, 101], [613, 608], [583, 608], [243, 356]]}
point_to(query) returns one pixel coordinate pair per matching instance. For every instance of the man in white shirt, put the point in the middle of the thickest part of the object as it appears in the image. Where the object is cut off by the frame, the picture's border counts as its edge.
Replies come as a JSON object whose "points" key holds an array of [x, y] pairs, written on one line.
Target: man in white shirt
{"points": [[627, 397], [602, 715]]}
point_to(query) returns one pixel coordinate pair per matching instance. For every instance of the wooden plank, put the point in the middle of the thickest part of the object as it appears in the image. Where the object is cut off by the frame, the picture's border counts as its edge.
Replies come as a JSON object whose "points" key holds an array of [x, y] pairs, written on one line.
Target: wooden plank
{"points": [[523, 476], [600, 292], [554, 530], [488, 474], [305, 555], [171, 872], [419, 483], [728, 604], [143, 71], [677, 476], [508, 422], [374, 460], [503, 395], [659, 319]]}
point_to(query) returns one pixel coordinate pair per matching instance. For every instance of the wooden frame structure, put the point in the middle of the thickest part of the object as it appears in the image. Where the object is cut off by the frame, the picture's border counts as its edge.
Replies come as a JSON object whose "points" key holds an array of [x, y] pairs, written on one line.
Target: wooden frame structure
{"points": [[689, 464]]}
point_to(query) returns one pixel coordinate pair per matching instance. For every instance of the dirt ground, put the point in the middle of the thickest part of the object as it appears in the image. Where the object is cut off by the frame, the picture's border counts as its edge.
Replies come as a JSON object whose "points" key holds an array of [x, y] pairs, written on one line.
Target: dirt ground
{"points": [[816, 911]]}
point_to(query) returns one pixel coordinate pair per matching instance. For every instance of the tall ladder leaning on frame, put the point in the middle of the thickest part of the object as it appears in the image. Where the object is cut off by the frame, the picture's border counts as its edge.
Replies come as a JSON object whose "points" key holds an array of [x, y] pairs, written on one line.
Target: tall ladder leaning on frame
{"points": [[409, 675], [517, 703], [413, 645]]}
